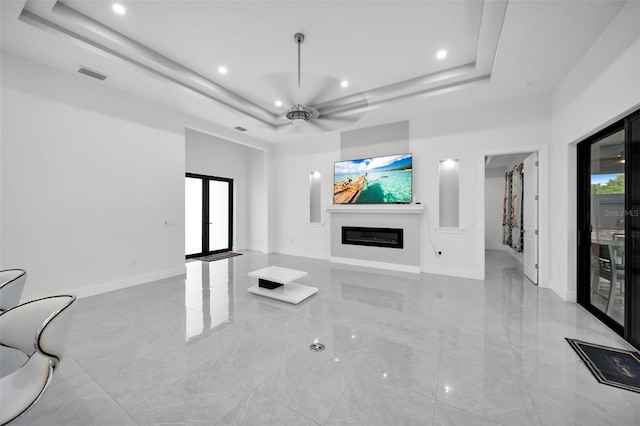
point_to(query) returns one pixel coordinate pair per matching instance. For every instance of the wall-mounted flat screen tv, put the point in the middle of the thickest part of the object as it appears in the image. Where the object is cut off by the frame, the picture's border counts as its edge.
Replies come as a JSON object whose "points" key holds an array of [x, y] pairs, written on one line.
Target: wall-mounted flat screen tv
{"points": [[375, 180]]}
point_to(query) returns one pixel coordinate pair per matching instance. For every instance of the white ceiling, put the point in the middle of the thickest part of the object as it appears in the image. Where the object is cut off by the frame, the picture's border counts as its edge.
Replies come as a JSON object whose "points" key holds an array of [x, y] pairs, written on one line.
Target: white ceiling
{"points": [[502, 163], [169, 52]]}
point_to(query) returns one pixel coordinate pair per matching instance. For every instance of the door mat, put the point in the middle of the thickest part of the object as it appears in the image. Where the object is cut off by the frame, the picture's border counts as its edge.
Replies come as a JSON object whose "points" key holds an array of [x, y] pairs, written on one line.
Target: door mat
{"points": [[611, 366], [217, 256]]}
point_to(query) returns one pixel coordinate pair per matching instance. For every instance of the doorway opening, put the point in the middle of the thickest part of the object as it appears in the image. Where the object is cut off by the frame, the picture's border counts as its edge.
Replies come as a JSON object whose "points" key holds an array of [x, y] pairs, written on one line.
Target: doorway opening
{"points": [[208, 215], [512, 208]]}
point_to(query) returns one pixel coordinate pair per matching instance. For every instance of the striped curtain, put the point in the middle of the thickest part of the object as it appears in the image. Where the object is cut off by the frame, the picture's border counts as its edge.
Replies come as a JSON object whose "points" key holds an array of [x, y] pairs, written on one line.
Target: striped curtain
{"points": [[512, 208]]}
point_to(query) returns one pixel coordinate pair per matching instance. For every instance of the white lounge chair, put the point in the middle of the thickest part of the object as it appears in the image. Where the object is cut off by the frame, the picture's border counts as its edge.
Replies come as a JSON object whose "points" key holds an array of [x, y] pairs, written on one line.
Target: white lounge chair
{"points": [[39, 329], [11, 286]]}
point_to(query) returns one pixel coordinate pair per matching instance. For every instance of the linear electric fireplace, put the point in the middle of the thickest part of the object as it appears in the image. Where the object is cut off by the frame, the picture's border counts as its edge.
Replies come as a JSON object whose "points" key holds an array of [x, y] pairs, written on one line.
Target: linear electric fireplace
{"points": [[377, 237]]}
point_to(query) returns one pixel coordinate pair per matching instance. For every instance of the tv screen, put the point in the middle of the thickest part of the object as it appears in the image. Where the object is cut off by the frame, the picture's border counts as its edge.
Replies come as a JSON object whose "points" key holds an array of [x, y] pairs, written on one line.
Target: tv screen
{"points": [[375, 180]]}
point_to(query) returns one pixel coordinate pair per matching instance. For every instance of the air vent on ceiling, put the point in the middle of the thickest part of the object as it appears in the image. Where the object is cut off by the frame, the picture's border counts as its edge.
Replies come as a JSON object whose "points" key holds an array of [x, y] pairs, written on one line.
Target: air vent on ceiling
{"points": [[91, 73], [240, 129]]}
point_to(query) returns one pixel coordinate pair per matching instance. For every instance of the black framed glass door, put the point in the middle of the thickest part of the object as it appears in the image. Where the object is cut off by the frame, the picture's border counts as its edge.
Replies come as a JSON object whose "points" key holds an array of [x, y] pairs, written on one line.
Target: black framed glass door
{"points": [[609, 226], [633, 225], [208, 215]]}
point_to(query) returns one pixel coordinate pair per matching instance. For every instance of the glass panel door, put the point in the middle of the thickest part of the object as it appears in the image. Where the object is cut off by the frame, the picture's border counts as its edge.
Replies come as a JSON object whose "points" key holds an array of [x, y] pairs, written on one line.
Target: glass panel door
{"points": [[608, 215], [208, 215], [219, 192], [609, 226], [633, 242], [193, 217]]}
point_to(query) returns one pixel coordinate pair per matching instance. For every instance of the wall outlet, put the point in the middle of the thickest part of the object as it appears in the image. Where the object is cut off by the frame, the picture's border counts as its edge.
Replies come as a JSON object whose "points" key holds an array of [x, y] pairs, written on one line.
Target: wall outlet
{"points": [[133, 261]]}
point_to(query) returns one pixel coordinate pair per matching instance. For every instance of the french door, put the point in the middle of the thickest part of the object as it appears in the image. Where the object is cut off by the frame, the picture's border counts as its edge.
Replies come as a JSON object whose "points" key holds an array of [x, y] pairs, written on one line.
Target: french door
{"points": [[208, 215], [609, 226]]}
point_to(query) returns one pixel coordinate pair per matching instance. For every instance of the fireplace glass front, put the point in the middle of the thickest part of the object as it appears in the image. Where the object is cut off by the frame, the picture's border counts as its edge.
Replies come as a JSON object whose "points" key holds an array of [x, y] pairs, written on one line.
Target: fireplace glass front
{"points": [[377, 237]]}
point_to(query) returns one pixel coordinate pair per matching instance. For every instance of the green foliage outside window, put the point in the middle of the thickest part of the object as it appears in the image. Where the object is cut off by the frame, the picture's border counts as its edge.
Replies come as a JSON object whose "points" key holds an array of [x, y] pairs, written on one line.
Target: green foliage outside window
{"points": [[614, 186]]}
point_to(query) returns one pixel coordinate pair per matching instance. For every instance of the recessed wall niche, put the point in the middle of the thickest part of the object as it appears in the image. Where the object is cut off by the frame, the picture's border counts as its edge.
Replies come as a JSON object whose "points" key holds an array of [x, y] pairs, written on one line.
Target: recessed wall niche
{"points": [[449, 191], [315, 194]]}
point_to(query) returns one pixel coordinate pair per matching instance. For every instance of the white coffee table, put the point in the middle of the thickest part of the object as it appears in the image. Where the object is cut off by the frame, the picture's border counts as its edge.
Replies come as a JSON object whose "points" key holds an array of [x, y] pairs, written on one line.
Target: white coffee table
{"points": [[275, 282]]}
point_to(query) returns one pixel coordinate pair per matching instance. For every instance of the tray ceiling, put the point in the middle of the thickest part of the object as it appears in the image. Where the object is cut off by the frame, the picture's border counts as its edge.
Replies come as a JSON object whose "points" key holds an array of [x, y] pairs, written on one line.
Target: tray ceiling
{"points": [[170, 52]]}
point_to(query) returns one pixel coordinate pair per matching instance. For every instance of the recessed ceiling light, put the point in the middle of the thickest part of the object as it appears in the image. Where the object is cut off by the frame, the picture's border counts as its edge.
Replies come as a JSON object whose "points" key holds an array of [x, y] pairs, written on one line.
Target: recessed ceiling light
{"points": [[119, 9], [222, 70], [441, 54], [278, 103], [344, 83]]}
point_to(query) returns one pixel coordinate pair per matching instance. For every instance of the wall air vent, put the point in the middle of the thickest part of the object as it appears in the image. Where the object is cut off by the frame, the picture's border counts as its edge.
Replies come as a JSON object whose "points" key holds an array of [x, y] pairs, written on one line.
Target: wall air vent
{"points": [[91, 73], [240, 129]]}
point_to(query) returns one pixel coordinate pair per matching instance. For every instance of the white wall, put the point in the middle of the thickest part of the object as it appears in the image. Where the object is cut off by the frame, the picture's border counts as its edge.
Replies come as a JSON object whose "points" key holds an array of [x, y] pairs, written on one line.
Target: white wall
{"points": [[89, 176], [291, 164], [84, 193], [602, 88], [493, 211], [506, 128], [258, 201], [214, 156], [375, 141], [511, 127]]}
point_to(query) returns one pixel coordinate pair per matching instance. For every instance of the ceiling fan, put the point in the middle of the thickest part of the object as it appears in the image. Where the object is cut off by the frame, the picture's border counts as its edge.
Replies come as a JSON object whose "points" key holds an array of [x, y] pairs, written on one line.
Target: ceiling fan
{"points": [[299, 113], [311, 115]]}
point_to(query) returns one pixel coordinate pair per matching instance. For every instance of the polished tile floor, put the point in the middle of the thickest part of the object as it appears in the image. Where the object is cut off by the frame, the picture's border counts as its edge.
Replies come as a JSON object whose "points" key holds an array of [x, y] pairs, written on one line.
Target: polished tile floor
{"points": [[400, 349]]}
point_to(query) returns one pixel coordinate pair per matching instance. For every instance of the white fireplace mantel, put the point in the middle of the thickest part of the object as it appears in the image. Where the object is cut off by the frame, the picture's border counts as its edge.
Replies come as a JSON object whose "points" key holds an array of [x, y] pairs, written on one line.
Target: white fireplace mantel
{"points": [[377, 208]]}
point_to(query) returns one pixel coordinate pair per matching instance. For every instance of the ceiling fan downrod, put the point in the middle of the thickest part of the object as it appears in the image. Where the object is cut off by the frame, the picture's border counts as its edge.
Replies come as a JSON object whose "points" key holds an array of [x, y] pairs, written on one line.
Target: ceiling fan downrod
{"points": [[299, 39], [299, 111]]}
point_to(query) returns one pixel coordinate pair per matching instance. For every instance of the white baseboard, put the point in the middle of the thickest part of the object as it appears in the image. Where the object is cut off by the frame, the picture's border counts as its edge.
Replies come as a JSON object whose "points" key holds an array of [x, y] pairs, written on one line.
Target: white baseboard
{"points": [[300, 253], [374, 264], [126, 282], [518, 256], [542, 283], [261, 248], [453, 272], [567, 296]]}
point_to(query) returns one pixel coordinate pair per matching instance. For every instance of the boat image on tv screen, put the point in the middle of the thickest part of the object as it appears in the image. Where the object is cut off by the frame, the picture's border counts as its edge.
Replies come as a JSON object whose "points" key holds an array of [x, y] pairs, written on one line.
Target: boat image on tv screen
{"points": [[375, 180]]}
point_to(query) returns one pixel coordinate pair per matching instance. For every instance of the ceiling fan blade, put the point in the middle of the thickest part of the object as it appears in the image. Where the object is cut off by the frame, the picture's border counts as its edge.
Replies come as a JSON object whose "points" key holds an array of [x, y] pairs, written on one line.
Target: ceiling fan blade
{"points": [[356, 103], [320, 124], [319, 88], [343, 118], [281, 87]]}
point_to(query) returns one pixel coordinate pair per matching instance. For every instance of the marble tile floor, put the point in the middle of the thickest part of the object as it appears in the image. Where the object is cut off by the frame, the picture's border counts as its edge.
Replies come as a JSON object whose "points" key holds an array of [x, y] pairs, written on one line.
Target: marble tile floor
{"points": [[401, 349]]}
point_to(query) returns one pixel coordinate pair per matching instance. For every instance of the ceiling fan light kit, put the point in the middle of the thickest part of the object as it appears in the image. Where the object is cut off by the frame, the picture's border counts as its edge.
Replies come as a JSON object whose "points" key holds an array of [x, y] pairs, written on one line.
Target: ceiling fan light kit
{"points": [[298, 112]]}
